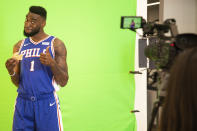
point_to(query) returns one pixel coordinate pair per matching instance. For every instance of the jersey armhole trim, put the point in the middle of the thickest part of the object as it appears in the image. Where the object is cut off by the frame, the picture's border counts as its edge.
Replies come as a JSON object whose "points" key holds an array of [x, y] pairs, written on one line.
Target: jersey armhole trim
{"points": [[52, 47], [23, 41]]}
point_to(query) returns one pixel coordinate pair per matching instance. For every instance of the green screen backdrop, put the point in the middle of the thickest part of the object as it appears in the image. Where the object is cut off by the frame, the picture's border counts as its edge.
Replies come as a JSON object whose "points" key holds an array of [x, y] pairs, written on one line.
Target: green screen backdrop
{"points": [[100, 93]]}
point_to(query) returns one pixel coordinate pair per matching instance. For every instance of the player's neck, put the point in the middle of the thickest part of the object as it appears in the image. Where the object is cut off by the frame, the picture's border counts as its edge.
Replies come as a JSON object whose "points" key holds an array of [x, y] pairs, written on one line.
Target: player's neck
{"points": [[39, 36]]}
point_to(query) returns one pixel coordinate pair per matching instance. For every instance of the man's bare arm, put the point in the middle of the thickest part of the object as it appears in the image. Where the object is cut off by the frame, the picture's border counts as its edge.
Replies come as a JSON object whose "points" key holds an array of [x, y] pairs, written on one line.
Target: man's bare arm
{"points": [[58, 65], [13, 65]]}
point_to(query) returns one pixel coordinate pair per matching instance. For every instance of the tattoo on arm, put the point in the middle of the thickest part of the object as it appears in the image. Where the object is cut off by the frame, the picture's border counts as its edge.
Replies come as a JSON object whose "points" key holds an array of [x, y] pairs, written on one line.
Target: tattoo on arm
{"points": [[59, 66]]}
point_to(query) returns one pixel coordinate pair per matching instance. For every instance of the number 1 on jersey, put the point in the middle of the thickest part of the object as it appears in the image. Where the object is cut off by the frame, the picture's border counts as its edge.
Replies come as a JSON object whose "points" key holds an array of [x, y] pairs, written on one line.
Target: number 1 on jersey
{"points": [[32, 66]]}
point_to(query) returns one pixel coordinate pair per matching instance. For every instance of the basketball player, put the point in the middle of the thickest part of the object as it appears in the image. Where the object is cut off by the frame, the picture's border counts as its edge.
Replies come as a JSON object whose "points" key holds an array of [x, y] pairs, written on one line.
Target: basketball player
{"points": [[37, 67]]}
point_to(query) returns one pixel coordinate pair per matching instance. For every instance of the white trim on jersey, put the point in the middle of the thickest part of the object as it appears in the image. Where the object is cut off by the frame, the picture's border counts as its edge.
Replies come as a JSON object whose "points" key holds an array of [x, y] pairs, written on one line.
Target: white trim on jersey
{"points": [[59, 115], [22, 43], [52, 47], [55, 85], [35, 43]]}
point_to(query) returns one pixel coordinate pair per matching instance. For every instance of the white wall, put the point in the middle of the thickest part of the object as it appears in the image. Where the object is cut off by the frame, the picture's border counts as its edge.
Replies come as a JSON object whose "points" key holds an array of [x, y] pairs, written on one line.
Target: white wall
{"points": [[196, 16], [140, 79], [185, 13]]}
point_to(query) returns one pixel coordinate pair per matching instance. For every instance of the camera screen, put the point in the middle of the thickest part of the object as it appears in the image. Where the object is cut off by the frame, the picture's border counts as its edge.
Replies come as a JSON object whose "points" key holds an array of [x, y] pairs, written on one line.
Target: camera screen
{"points": [[131, 22]]}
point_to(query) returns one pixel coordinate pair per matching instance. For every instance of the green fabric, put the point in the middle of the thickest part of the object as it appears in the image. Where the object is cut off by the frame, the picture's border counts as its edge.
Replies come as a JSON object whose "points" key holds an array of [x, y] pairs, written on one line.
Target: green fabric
{"points": [[100, 92]]}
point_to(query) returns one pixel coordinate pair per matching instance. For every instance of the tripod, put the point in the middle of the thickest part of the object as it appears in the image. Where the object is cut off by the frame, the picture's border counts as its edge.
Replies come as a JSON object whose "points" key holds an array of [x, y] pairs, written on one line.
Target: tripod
{"points": [[157, 104]]}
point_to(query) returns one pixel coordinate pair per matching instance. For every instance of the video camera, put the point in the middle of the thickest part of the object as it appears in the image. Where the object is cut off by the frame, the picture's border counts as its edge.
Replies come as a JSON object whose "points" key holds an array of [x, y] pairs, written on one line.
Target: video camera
{"points": [[167, 42]]}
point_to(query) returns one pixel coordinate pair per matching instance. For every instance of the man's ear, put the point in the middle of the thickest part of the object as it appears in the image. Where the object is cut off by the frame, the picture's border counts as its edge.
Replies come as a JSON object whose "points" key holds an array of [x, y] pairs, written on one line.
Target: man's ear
{"points": [[43, 23]]}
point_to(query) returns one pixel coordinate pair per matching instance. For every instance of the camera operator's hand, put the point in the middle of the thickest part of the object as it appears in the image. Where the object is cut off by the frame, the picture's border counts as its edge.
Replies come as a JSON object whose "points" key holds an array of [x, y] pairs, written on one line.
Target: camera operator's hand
{"points": [[11, 64]]}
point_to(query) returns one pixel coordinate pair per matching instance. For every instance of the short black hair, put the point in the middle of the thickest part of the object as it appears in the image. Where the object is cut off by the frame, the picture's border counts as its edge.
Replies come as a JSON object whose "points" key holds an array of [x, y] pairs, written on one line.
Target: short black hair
{"points": [[38, 10]]}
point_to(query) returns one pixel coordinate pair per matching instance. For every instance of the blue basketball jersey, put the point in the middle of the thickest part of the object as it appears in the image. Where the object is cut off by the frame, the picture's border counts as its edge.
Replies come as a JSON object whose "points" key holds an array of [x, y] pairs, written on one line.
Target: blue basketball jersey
{"points": [[36, 78]]}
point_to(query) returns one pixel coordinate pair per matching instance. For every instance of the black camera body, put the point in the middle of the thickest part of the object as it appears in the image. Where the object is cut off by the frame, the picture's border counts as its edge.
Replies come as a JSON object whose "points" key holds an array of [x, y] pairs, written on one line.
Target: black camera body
{"points": [[167, 44]]}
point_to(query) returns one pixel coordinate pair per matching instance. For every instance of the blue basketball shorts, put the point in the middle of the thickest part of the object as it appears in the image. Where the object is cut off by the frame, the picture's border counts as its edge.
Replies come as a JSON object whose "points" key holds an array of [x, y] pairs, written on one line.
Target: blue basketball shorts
{"points": [[37, 113]]}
